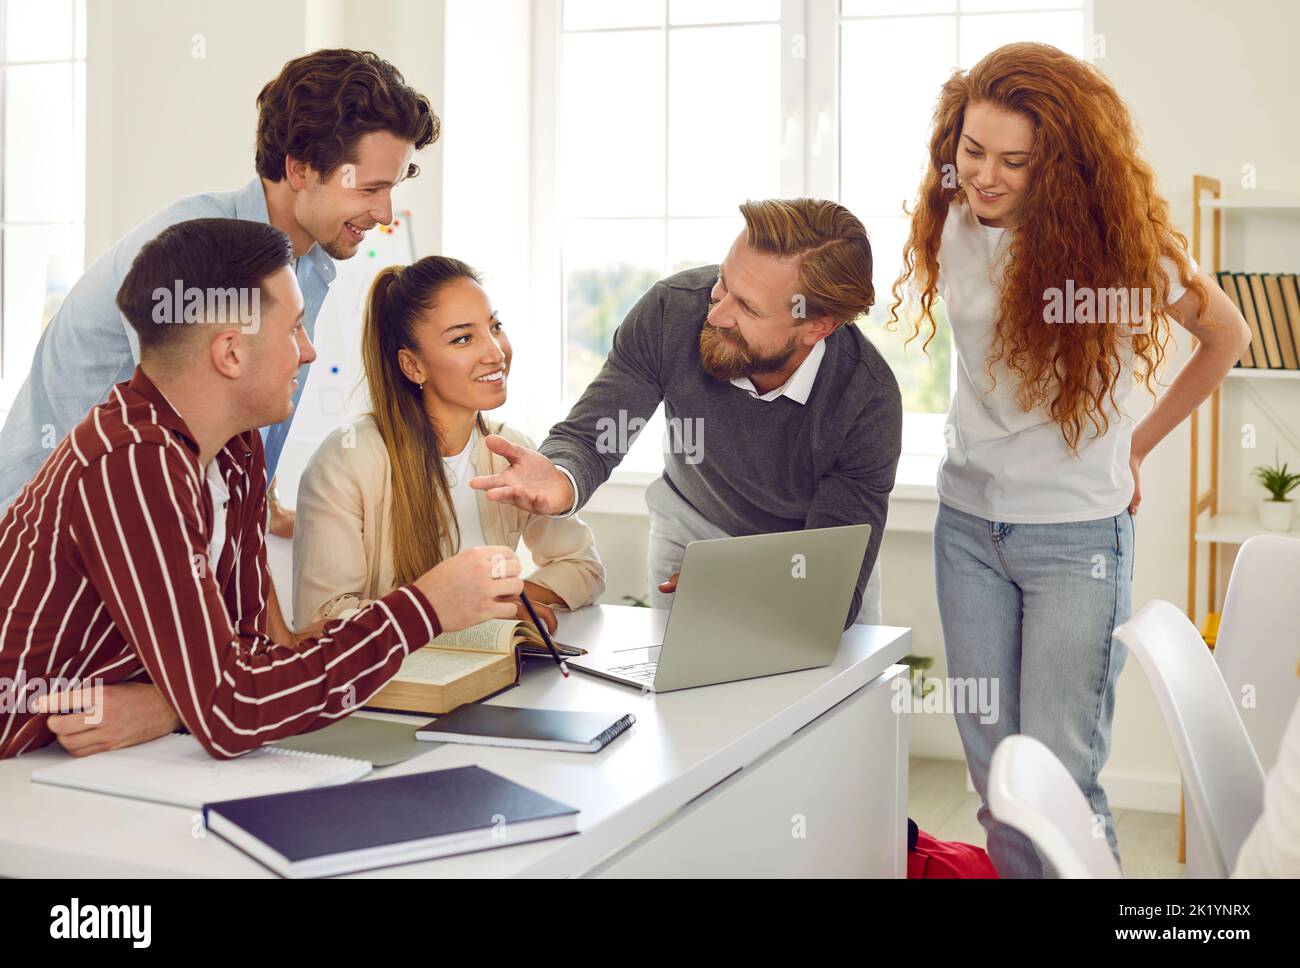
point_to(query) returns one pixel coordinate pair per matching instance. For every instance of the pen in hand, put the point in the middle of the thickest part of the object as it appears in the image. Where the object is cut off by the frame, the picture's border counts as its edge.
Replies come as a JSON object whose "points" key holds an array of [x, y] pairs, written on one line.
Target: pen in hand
{"points": [[546, 636]]}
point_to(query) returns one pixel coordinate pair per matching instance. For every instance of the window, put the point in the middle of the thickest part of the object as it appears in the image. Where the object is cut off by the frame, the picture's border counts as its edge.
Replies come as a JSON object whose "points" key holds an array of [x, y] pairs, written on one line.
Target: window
{"points": [[666, 114], [42, 172], [669, 116], [883, 149]]}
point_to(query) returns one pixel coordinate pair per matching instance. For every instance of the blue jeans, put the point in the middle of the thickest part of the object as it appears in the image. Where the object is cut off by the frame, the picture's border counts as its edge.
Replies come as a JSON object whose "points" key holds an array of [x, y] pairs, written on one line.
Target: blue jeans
{"points": [[1034, 606]]}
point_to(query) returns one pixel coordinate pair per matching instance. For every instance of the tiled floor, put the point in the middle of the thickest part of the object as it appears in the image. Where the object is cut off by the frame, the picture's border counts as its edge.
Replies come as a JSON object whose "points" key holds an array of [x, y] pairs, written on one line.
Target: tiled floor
{"points": [[941, 805]]}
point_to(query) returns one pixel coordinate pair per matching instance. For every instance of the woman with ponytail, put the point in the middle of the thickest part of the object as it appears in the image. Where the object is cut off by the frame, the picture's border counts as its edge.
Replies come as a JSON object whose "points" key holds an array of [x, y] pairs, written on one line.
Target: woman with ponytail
{"points": [[388, 496], [1041, 228]]}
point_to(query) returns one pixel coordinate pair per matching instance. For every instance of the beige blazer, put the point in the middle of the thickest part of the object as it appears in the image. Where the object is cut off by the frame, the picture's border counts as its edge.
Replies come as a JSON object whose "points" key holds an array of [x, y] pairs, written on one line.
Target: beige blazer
{"points": [[342, 541]]}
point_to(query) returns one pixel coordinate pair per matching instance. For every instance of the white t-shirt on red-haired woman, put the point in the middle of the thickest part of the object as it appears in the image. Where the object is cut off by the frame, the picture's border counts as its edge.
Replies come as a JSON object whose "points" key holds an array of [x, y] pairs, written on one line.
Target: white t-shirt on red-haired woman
{"points": [[1001, 462]]}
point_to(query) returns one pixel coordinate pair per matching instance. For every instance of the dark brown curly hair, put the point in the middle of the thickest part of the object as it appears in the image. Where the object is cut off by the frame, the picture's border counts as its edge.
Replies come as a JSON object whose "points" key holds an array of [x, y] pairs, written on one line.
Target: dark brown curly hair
{"points": [[1091, 213], [323, 102]]}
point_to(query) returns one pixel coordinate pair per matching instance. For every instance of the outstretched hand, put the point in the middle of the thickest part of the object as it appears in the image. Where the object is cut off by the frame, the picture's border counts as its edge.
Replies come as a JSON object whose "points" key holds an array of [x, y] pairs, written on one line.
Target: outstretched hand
{"points": [[531, 482]]}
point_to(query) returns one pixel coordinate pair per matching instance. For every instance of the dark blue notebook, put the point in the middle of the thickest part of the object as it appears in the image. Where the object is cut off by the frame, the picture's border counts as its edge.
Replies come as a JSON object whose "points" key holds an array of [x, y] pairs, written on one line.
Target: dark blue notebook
{"points": [[540, 729], [379, 823]]}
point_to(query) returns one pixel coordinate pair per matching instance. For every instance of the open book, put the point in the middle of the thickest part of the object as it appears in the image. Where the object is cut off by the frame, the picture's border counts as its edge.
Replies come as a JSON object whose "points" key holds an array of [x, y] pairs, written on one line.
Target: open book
{"points": [[464, 666]]}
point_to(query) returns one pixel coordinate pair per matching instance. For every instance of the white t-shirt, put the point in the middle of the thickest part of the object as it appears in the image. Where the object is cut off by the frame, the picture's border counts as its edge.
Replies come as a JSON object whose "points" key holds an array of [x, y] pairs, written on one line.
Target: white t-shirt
{"points": [[220, 497], [460, 468], [1001, 463]]}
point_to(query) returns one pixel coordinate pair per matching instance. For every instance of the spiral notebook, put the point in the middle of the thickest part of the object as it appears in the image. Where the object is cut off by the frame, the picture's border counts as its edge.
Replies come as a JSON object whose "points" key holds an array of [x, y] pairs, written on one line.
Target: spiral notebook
{"points": [[177, 770]]}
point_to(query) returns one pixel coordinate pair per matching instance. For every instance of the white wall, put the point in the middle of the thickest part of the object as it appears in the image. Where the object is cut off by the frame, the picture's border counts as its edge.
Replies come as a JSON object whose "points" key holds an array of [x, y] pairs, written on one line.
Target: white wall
{"points": [[164, 123], [1217, 95]]}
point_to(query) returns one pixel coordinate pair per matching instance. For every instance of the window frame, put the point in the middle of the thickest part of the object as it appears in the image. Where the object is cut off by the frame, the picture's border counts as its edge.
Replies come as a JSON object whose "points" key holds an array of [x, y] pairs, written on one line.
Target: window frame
{"points": [[12, 373]]}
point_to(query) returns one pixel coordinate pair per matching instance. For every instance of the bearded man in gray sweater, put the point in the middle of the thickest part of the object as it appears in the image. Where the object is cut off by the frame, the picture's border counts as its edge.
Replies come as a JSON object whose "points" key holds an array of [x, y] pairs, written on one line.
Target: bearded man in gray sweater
{"points": [[803, 416]]}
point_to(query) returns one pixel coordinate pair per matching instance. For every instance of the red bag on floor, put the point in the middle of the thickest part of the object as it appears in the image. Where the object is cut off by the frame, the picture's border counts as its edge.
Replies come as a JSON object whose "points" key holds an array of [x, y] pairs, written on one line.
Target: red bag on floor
{"points": [[927, 857]]}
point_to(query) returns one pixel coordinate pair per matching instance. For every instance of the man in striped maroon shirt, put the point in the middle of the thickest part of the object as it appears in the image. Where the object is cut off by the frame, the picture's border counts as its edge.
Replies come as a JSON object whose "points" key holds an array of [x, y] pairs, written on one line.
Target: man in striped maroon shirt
{"points": [[137, 552]]}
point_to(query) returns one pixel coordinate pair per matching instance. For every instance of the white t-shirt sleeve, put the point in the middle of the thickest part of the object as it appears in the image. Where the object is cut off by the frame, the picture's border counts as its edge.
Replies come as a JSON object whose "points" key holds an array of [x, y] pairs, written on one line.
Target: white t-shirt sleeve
{"points": [[1176, 288]]}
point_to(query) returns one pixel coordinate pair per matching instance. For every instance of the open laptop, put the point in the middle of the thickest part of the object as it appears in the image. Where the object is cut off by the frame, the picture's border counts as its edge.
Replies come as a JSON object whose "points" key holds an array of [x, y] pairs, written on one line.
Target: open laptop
{"points": [[745, 607]]}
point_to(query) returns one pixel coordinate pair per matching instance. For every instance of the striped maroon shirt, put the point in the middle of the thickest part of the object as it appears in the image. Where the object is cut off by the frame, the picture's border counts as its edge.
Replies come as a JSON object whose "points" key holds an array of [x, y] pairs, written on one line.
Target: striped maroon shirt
{"points": [[104, 576]]}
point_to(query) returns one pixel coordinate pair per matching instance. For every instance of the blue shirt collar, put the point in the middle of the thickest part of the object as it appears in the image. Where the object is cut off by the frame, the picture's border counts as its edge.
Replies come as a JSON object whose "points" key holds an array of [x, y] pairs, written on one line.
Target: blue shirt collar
{"points": [[250, 204]]}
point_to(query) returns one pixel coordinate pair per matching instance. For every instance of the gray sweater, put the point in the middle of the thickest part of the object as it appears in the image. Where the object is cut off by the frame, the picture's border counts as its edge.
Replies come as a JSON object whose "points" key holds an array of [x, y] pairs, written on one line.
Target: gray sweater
{"points": [[761, 466]]}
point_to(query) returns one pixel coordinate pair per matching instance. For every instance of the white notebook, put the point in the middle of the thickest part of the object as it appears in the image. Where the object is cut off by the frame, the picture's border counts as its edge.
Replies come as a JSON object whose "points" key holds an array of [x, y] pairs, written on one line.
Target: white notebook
{"points": [[176, 769]]}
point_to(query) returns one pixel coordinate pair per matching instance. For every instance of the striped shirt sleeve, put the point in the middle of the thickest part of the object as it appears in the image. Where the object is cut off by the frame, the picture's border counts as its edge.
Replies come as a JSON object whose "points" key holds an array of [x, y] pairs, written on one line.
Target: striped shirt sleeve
{"points": [[137, 528]]}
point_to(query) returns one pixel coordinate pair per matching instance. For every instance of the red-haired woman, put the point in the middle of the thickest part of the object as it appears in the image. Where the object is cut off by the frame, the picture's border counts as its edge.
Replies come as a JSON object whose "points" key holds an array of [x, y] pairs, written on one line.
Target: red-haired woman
{"points": [[1041, 228]]}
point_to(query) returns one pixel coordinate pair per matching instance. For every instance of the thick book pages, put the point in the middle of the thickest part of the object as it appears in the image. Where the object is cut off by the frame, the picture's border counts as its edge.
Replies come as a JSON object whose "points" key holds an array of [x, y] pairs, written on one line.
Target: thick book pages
{"points": [[546, 729], [435, 681], [177, 770], [395, 820], [500, 635], [461, 667]]}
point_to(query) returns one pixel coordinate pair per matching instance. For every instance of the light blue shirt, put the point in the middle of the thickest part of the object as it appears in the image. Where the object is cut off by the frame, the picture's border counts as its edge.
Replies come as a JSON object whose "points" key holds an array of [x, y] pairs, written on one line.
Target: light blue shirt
{"points": [[89, 346]]}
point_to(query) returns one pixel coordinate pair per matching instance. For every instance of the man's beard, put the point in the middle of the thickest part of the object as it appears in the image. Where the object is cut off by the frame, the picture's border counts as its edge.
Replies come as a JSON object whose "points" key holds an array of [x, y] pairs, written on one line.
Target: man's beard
{"points": [[729, 357]]}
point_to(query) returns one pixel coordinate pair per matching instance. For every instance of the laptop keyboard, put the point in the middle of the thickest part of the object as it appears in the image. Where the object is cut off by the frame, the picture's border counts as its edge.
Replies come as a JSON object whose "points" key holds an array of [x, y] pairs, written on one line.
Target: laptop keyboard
{"points": [[641, 671]]}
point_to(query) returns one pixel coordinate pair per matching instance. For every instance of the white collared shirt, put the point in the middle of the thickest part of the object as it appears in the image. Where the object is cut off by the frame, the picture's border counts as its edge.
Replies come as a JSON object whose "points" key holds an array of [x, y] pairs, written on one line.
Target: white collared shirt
{"points": [[800, 383]]}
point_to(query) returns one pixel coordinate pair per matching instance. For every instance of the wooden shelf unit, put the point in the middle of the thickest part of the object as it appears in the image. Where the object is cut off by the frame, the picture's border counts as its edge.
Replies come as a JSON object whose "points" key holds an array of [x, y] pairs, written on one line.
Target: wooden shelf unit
{"points": [[1230, 529]]}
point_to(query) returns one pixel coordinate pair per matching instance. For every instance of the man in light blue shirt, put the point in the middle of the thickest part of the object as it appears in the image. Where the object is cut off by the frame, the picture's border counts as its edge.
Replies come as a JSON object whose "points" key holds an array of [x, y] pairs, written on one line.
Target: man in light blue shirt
{"points": [[336, 132], [86, 349]]}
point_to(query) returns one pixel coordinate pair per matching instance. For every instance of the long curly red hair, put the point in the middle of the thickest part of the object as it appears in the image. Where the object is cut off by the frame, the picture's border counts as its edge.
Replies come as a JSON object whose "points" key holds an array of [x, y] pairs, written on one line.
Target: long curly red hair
{"points": [[1090, 213]]}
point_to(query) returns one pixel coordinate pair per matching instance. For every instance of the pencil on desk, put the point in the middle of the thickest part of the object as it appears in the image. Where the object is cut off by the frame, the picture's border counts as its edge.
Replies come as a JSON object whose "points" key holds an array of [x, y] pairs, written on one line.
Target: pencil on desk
{"points": [[546, 636]]}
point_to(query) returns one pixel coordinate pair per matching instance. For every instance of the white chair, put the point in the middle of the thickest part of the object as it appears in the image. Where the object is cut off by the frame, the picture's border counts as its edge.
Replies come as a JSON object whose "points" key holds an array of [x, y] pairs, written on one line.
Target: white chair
{"points": [[1031, 790], [1222, 776], [1259, 639]]}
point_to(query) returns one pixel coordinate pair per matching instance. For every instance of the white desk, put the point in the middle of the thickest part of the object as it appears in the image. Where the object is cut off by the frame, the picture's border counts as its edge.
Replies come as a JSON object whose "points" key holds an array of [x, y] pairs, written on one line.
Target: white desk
{"points": [[799, 774]]}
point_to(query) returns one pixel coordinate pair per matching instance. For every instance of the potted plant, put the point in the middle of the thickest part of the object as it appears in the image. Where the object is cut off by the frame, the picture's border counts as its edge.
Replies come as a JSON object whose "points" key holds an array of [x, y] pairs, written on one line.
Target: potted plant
{"points": [[922, 685], [1275, 511]]}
